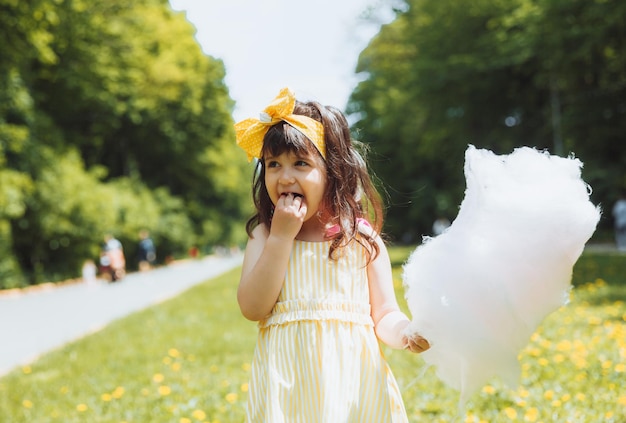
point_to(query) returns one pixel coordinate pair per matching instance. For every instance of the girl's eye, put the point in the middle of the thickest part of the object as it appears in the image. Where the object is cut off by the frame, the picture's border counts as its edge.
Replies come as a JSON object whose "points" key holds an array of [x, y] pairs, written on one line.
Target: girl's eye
{"points": [[272, 163], [301, 163]]}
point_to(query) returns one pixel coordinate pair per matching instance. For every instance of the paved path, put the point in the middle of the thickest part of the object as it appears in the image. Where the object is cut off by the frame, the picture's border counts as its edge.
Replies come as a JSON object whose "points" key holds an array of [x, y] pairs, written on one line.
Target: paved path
{"points": [[37, 322]]}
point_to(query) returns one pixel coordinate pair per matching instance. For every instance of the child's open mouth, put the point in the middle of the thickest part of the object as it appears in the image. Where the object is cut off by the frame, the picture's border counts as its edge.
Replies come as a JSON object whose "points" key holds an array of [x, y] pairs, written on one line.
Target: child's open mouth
{"points": [[295, 194]]}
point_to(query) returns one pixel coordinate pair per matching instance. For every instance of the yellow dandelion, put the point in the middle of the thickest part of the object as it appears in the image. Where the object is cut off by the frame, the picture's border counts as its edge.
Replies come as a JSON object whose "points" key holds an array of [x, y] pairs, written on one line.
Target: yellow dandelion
{"points": [[580, 363], [543, 362], [607, 364], [580, 377], [559, 358], [556, 403], [27, 404], [164, 390], [580, 396], [510, 413], [184, 420], [106, 397], [82, 407], [523, 392], [64, 390], [549, 394], [198, 415], [470, 418], [244, 387], [158, 378], [566, 397], [167, 360], [118, 392], [488, 389], [531, 415], [620, 368], [622, 400], [231, 397], [175, 367], [609, 415], [27, 370], [594, 320], [173, 352]]}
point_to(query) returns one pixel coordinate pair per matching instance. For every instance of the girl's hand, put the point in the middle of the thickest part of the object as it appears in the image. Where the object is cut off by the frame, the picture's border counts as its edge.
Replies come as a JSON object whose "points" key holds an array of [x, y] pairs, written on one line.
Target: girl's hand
{"points": [[415, 343], [288, 217]]}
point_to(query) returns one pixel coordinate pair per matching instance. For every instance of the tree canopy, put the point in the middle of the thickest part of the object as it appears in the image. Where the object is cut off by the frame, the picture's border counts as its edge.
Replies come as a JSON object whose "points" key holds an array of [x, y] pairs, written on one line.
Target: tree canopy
{"points": [[112, 119], [496, 74]]}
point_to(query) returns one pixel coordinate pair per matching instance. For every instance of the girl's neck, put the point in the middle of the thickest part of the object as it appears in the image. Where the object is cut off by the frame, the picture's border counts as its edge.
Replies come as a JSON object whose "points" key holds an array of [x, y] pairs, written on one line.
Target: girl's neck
{"points": [[313, 230]]}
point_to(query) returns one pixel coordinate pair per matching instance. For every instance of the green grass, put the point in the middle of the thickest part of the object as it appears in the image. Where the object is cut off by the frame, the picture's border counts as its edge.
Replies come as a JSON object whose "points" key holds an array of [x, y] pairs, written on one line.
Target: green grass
{"points": [[187, 360]]}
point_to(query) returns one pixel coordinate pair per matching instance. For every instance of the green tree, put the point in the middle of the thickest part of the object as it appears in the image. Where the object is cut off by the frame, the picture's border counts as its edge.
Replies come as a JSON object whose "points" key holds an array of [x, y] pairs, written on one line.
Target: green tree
{"points": [[111, 119], [494, 74], [137, 95]]}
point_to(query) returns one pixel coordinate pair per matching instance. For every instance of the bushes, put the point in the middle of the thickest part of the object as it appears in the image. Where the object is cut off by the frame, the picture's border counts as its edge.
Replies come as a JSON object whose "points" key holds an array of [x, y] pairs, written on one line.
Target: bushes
{"points": [[71, 209], [112, 119]]}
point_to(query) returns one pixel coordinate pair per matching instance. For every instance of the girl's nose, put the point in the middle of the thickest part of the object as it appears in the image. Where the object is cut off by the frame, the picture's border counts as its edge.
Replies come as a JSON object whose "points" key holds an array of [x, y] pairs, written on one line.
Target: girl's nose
{"points": [[286, 177]]}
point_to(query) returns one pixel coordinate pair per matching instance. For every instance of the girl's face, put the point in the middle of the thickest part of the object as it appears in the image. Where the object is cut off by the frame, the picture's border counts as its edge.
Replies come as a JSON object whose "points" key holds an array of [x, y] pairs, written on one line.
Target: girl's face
{"points": [[303, 176]]}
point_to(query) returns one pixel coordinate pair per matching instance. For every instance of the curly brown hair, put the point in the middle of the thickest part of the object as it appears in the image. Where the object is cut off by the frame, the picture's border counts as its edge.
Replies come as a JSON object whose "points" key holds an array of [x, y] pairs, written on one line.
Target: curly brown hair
{"points": [[350, 194]]}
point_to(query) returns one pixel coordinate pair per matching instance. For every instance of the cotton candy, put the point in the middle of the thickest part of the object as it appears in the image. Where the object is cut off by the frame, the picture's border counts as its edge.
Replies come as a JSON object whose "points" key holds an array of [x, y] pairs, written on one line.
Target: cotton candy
{"points": [[478, 291]]}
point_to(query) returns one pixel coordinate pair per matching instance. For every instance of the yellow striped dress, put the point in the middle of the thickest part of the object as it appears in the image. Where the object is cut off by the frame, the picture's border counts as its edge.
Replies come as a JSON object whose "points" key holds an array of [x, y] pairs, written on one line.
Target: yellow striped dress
{"points": [[317, 358]]}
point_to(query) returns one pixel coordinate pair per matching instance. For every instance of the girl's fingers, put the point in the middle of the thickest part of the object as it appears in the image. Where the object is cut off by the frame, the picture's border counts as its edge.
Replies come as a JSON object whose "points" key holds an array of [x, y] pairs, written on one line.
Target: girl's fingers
{"points": [[417, 344], [290, 200]]}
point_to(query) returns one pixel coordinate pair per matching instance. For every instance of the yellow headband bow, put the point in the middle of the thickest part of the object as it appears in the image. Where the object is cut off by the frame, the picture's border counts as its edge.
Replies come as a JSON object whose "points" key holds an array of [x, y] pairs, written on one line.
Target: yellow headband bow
{"points": [[250, 132]]}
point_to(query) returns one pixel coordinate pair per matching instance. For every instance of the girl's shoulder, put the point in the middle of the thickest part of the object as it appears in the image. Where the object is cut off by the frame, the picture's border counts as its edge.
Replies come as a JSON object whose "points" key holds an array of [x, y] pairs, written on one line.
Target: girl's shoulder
{"points": [[366, 228]]}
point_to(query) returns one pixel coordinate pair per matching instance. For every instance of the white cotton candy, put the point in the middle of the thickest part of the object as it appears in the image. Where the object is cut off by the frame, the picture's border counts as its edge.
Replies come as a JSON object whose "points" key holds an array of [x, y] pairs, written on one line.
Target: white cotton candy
{"points": [[479, 291]]}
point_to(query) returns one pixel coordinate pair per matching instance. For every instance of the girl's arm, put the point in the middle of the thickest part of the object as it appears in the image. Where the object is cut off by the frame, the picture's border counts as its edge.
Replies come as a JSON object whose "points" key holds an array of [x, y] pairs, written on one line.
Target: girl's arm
{"points": [[266, 258], [263, 272], [389, 322]]}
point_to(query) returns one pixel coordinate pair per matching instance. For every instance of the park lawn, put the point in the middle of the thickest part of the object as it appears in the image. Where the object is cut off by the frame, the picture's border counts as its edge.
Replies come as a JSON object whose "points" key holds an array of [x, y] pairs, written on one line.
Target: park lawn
{"points": [[187, 360]]}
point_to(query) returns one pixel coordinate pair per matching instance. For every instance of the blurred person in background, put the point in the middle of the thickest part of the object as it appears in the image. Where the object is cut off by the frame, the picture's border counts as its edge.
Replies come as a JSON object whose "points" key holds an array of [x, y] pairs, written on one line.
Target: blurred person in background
{"points": [[146, 252], [619, 220], [112, 260]]}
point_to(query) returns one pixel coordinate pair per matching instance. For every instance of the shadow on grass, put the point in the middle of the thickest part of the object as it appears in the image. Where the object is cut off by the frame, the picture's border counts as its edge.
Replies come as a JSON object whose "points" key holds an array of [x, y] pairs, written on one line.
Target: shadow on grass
{"points": [[609, 267], [609, 295]]}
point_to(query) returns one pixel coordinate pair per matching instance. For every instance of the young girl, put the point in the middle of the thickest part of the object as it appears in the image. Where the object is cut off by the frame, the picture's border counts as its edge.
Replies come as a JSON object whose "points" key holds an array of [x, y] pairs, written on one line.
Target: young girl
{"points": [[316, 274]]}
